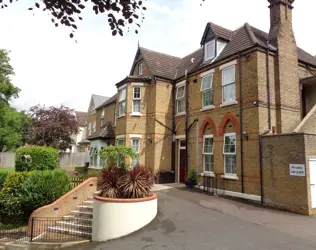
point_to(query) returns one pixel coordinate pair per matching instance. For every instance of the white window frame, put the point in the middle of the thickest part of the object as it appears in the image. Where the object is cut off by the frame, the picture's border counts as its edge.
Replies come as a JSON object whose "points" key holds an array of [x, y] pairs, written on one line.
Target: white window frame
{"points": [[230, 153], [140, 69], [102, 119], [137, 99], [120, 139], [182, 98], [207, 153], [231, 83], [94, 127], [121, 101], [207, 89], [138, 139], [89, 128], [205, 50]]}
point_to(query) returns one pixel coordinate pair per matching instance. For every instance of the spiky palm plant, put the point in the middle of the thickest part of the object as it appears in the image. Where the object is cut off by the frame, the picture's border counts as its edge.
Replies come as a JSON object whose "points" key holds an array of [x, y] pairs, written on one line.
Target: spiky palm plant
{"points": [[136, 183], [108, 182]]}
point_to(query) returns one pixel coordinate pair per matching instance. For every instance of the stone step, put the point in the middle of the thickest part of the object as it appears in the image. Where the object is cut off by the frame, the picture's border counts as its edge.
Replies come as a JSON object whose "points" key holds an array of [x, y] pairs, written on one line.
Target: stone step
{"points": [[81, 214], [88, 202], [76, 226], [78, 220], [90, 198], [58, 229], [87, 208], [14, 246]]}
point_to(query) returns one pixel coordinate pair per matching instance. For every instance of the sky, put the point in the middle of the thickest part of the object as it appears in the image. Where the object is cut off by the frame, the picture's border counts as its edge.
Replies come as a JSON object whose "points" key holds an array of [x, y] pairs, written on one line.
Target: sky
{"points": [[52, 69]]}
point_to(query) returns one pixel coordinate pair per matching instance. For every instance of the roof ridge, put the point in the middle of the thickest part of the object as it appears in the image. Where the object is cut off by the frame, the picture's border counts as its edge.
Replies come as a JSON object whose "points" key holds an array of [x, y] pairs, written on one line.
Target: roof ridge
{"points": [[251, 35], [159, 52]]}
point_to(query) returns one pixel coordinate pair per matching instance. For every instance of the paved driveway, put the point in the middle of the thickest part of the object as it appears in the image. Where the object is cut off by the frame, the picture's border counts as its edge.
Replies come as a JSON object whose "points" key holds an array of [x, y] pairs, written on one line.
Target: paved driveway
{"points": [[194, 221]]}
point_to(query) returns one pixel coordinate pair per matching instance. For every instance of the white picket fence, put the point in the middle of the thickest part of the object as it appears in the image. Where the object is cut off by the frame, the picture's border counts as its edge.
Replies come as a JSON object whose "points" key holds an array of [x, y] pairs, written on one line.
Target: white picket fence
{"points": [[66, 159]]}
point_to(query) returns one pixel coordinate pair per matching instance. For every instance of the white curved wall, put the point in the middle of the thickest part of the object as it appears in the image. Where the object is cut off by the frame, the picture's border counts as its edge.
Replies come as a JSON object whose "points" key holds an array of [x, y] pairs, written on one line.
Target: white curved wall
{"points": [[114, 219]]}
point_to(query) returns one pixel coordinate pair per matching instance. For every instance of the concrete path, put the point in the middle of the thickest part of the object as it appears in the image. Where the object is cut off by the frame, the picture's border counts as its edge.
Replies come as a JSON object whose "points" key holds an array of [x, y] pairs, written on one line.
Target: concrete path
{"points": [[193, 221]]}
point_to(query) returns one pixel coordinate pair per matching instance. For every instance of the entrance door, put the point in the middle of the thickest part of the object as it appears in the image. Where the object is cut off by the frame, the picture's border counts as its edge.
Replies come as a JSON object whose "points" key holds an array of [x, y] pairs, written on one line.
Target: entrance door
{"points": [[182, 161], [312, 179]]}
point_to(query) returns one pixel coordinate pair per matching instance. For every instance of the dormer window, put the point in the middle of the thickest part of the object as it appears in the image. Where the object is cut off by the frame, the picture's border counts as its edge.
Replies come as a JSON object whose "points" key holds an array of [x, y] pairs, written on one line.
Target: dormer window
{"points": [[140, 69], [209, 50]]}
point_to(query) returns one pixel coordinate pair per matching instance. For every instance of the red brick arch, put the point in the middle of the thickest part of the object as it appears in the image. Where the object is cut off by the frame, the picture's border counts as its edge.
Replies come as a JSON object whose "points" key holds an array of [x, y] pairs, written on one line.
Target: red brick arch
{"points": [[234, 121], [207, 120]]}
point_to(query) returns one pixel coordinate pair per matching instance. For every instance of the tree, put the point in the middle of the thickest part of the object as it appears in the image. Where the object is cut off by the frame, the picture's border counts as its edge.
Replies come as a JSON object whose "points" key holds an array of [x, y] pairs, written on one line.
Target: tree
{"points": [[120, 13], [52, 126], [12, 123], [7, 89]]}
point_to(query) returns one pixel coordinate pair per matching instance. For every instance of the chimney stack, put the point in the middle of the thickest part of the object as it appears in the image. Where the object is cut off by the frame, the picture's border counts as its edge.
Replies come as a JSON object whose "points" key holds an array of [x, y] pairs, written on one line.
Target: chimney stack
{"points": [[287, 93]]}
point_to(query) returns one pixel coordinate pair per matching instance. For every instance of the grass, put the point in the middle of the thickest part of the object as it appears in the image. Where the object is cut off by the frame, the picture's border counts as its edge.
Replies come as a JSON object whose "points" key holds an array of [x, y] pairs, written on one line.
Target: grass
{"points": [[6, 170]]}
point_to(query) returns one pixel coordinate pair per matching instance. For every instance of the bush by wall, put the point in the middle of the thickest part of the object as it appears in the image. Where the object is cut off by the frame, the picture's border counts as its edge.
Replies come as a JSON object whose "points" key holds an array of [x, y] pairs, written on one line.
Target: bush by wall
{"points": [[3, 176], [31, 158], [23, 192], [11, 196], [44, 187]]}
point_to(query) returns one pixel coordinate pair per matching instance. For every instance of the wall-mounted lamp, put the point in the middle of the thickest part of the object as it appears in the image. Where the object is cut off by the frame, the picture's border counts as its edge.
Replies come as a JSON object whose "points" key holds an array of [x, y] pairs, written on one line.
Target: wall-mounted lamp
{"points": [[244, 134], [149, 139], [255, 102]]}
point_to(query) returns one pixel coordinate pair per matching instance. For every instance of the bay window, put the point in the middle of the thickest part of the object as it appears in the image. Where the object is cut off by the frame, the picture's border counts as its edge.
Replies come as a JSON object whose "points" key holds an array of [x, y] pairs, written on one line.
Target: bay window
{"points": [[136, 100], [180, 99], [229, 85], [207, 91], [122, 101], [229, 152], [208, 158]]}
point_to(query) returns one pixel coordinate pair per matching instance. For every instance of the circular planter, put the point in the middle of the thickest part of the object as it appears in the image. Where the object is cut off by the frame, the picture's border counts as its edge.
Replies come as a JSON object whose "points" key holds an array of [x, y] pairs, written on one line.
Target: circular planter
{"points": [[114, 218]]}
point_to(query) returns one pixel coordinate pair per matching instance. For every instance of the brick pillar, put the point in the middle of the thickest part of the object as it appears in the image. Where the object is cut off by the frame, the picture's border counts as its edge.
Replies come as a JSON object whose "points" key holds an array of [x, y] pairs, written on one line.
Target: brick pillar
{"points": [[287, 80]]}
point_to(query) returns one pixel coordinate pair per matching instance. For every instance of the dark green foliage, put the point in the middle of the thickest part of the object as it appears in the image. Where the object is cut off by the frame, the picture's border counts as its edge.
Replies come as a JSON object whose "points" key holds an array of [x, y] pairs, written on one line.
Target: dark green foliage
{"points": [[44, 187], [23, 192], [3, 176], [31, 158], [11, 196], [191, 178]]}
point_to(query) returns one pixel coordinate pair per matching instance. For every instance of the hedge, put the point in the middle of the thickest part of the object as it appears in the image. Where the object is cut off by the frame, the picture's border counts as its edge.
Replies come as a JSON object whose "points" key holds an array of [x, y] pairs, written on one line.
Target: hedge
{"points": [[31, 158], [23, 192]]}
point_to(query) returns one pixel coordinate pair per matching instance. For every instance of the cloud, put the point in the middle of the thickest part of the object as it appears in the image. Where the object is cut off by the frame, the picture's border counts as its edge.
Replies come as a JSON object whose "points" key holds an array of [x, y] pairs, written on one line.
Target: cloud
{"points": [[52, 69]]}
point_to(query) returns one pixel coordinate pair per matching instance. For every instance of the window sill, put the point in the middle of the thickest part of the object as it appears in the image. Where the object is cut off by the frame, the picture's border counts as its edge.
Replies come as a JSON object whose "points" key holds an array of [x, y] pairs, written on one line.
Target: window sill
{"points": [[228, 103], [120, 116], [180, 114], [230, 177], [208, 108], [136, 114], [208, 174]]}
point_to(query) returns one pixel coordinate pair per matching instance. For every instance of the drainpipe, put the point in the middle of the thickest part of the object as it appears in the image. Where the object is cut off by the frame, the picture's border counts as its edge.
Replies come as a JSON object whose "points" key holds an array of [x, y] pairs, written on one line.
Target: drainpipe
{"points": [[197, 146], [173, 145], [261, 165], [186, 121], [268, 88], [241, 126]]}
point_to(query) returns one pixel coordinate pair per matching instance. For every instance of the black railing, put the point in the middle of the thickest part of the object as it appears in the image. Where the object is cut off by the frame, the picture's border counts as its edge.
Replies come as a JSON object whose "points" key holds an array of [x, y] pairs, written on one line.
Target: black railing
{"points": [[59, 229], [13, 229], [47, 230]]}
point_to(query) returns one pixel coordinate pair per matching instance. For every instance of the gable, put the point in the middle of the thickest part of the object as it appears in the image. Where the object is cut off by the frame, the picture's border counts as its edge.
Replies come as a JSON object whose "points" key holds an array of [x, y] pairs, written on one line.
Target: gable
{"points": [[138, 58], [209, 36]]}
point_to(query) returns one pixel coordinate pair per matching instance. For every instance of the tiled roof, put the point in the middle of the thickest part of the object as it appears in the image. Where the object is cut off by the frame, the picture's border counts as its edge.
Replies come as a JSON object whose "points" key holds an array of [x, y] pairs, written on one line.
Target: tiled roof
{"points": [[160, 64], [241, 39], [109, 101], [81, 116], [105, 132]]}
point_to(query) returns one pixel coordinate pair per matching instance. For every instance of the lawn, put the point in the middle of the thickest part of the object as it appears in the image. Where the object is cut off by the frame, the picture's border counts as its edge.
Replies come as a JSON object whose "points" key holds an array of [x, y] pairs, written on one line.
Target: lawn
{"points": [[6, 170]]}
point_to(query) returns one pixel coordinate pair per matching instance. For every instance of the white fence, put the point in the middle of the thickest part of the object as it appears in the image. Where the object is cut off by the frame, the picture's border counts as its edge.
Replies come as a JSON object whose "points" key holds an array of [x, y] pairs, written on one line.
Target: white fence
{"points": [[66, 159]]}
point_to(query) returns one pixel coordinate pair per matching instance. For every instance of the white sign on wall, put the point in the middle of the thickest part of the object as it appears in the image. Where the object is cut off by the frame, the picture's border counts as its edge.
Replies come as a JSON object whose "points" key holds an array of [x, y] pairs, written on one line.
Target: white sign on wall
{"points": [[297, 169]]}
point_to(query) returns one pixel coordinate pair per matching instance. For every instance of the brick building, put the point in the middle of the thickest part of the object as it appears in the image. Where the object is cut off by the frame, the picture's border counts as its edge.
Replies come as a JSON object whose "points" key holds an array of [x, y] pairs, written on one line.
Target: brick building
{"points": [[210, 109]]}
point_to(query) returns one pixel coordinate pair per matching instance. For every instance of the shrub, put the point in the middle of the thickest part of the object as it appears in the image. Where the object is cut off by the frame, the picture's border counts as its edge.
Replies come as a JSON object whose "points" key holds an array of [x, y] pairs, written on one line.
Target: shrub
{"points": [[3, 176], [44, 187], [31, 158], [192, 178], [136, 183], [11, 196], [115, 182]]}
